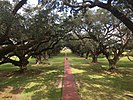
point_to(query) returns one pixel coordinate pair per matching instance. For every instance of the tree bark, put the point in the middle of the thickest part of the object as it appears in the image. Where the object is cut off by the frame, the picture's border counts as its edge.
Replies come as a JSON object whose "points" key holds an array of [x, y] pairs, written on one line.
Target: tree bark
{"points": [[94, 58], [18, 6], [38, 59], [46, 55], [112, 65], [23, 68], [23, 64], [81, 54], [87, 54]]}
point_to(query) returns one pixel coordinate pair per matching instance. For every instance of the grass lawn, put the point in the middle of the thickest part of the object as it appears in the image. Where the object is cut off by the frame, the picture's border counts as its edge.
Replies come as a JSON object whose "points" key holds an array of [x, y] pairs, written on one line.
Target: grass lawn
{"points": [[94, 82], [42, 82], [39, 82]]}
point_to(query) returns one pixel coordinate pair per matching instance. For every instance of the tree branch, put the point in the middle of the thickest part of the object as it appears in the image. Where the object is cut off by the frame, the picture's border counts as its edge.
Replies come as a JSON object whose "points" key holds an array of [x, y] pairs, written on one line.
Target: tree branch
{"points": [[18, 6]]}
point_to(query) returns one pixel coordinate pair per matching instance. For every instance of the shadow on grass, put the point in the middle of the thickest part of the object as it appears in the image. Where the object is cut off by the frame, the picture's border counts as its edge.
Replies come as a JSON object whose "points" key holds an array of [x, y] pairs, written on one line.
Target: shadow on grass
{"points": [[96, 83], [35, 84]]}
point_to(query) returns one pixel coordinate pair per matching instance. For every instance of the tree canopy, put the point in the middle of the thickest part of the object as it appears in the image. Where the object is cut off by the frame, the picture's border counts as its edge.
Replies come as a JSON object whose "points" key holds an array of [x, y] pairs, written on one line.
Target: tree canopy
{"points": [[53, 24]]}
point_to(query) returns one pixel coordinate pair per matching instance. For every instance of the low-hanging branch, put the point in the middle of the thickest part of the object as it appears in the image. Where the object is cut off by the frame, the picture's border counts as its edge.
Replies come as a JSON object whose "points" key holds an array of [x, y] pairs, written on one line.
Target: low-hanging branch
{"points": [[18, 6], [107, 6], [5, 37], [129, 58], [51, 46]]}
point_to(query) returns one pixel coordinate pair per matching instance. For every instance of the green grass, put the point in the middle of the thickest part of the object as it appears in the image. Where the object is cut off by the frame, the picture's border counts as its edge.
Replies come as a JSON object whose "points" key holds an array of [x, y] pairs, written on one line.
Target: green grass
{"points": [[37, 83], [68, 51], [94, 82]]}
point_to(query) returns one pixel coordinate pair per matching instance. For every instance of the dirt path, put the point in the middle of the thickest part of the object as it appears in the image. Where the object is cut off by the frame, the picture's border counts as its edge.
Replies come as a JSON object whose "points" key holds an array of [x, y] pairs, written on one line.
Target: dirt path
{"points": [[69, 87]]}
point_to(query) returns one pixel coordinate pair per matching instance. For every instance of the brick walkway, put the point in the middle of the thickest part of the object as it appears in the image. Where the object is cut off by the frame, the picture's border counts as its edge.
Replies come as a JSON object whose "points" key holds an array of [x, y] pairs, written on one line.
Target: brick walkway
{"points": [[69, 87]]}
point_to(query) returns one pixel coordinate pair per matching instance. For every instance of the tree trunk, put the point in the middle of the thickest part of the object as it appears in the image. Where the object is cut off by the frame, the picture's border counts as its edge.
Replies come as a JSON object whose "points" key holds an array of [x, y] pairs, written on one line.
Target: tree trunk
{"points": [[81, 54], [112, 65], [38, 59], [23, 64], [86, 56], [23, 68], [46, 55], [49, 55], [94, 58]]}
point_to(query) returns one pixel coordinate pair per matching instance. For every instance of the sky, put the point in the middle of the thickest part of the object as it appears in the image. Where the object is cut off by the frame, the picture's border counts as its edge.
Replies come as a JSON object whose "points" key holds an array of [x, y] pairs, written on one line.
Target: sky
{"points": [[35, 2], [32, 2]]}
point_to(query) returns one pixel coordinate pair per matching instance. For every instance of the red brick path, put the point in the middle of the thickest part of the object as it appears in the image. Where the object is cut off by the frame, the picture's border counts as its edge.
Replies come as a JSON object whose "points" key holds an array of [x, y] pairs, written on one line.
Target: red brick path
{"points": [[69, 87]]}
